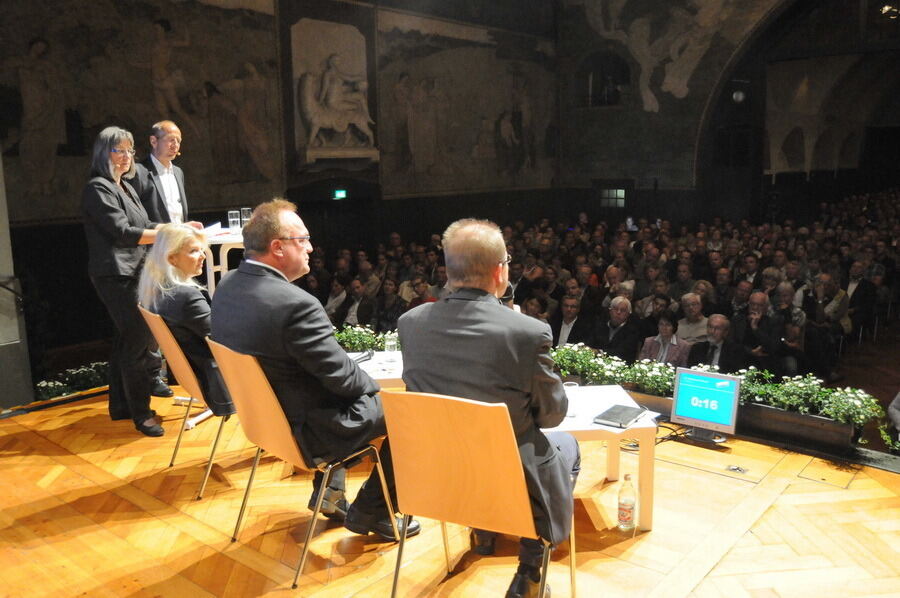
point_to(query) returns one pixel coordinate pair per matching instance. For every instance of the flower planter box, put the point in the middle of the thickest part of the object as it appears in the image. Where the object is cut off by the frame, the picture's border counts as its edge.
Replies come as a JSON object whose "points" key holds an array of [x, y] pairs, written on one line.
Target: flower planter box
{"points": [[776, 425], [812, 431]]}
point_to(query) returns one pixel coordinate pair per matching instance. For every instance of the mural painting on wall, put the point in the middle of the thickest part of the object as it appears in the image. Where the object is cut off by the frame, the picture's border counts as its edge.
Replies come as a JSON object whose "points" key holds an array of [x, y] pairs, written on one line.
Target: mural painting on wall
{"points": [[331, 98], [79, 66], [462, 109], [668, 45]]}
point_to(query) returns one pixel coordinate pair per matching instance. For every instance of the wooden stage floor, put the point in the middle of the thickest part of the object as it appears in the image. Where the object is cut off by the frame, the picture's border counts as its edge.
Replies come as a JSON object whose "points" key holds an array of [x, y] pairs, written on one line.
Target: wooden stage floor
{"points": [[88, 507]]}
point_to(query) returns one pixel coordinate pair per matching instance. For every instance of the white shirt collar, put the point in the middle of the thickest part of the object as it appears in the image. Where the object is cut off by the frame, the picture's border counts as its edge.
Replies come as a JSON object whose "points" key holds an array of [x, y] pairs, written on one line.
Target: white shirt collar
{"points": [[160, 168], [272, 268], [672, 341]]}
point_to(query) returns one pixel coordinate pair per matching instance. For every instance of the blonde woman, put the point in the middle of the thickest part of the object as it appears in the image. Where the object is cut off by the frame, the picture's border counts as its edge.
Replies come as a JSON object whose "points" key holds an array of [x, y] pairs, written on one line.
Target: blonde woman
{"points": [[167, 287]]}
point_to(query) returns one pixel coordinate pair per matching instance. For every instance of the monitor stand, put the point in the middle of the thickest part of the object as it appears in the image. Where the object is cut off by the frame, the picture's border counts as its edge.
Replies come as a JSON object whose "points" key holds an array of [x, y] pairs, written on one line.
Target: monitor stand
{"points": [[704, 436]]}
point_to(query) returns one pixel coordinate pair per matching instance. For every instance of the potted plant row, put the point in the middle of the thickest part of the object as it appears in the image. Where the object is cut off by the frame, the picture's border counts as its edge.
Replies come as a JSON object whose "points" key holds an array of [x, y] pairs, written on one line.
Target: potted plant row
{"points": [[798, 409]]}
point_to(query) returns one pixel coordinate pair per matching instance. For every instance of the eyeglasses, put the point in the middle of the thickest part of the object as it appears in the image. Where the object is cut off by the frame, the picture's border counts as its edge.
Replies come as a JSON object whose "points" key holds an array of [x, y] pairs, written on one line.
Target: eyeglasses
{"points": [[506, 260], [116, 150], [300, 238]]}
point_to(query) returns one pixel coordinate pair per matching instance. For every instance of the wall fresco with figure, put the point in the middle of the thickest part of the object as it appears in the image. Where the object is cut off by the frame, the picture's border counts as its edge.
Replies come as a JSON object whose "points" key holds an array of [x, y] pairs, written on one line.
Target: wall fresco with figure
{"points": [[638, 74], [74, 67], [463, 108]]}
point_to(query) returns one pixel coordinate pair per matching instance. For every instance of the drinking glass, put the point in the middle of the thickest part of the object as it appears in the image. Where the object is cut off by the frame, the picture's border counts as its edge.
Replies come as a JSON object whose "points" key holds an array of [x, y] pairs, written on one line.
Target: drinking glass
{"points": [[234, 220], [245, 216], [390, 347]]}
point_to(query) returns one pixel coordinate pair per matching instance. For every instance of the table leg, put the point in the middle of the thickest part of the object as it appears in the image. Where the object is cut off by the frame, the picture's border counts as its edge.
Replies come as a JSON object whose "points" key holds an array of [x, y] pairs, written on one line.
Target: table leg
{"points": [[646, 457], [613, 454]]}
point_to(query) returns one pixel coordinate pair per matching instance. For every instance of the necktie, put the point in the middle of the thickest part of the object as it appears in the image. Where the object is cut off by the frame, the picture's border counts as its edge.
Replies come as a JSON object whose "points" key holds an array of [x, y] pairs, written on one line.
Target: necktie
{"points": [[711, 354]]}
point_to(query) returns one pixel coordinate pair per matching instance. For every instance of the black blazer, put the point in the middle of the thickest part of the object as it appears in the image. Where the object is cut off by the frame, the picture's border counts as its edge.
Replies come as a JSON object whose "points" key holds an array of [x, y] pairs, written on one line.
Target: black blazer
{"points": [[581, 332], [624, 344], [257, 312], [186, 311], [114, 221], [149, 188], [732, 358]]}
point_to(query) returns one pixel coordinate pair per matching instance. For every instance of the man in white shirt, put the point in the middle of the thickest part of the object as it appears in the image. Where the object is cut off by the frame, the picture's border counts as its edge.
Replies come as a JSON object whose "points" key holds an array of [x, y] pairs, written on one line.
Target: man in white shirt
{"points": [[158, 181]]}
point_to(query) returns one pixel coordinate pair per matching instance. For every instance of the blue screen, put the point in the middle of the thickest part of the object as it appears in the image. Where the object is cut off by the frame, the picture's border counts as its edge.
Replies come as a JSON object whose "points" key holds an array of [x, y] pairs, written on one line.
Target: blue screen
{"points": [[706, 398]]}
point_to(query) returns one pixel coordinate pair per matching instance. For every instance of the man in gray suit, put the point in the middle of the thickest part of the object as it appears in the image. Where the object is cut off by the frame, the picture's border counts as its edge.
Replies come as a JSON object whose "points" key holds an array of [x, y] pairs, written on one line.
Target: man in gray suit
{"points": [[469, 345], [158, 181], [330, 403]]}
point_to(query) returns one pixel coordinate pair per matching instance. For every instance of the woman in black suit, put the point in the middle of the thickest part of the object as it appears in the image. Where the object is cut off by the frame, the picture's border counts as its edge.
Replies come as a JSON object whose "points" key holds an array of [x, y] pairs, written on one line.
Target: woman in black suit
{"points": [[167, 287], [118, 230]]}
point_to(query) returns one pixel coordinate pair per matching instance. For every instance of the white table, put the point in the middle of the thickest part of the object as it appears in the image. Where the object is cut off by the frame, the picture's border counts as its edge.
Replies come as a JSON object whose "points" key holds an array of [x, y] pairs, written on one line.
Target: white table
{"points": [[225, 240], [385, 368], [585, 403]]}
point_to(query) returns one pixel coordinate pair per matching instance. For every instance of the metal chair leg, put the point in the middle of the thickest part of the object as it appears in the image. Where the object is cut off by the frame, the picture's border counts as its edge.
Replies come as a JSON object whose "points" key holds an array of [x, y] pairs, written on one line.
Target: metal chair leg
{"points": [[446, 547], [211, 457], [387, 494], [406, 521], [187, 411], [572, 565], [545, 564], [237, 526], [320, 497]]}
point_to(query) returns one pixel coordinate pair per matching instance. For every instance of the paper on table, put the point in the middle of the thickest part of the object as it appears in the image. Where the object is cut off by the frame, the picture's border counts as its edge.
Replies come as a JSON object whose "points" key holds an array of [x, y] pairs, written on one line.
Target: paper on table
{"points": [[213, 229], [586, 402]]}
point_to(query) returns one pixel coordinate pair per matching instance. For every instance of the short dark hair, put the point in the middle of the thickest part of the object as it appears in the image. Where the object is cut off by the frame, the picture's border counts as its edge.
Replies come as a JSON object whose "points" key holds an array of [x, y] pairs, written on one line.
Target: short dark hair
{"points": [[670, 318], [265, 225]]}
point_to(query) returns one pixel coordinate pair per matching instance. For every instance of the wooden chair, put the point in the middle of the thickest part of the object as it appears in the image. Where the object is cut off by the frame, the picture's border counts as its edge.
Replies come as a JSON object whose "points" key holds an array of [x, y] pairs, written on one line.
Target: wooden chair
{"points": [[457, 460], [186, 378], [266, 426]]}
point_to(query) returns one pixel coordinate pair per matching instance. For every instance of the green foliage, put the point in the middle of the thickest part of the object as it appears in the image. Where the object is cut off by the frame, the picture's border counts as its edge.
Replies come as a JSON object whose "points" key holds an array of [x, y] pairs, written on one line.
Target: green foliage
{"points": [[361, 338], [73, 380]]}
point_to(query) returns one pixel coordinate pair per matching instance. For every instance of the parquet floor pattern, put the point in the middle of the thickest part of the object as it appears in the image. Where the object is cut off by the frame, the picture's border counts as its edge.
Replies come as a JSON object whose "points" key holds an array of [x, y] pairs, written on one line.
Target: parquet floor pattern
{"points": [[89, 507]]}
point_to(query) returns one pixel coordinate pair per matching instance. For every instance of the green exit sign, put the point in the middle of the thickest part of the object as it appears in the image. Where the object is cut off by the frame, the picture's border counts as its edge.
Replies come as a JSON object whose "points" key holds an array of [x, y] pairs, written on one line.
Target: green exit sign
{"points": [[339, 194]]}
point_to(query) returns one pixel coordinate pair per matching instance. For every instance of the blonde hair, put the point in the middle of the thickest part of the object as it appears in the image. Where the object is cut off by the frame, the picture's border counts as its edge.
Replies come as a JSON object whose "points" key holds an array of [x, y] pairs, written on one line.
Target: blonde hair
{"points": [[472, 249], [159, 277]]}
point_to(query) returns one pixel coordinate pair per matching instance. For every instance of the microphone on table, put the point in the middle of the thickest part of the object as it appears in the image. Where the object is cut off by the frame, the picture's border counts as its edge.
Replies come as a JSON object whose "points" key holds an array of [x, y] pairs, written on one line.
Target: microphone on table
{"points": [[365, 356]]}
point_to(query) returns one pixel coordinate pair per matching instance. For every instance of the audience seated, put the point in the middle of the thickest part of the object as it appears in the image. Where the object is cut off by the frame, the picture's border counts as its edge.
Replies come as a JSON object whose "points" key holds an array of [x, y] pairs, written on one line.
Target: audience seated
{"points": [[620, 335], [852, 243], [666, 347]]}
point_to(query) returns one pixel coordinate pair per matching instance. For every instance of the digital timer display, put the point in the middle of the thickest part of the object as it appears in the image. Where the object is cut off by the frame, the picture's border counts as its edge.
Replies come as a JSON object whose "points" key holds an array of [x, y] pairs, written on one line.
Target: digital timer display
{"points": [[705, 399]]}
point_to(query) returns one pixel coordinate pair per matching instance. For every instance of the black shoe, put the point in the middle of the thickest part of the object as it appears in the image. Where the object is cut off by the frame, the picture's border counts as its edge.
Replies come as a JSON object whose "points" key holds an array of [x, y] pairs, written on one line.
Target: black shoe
{"points": [[334, 505], [154, 430], [523, 586], [360, 522], [482, 544], [160, 388]]}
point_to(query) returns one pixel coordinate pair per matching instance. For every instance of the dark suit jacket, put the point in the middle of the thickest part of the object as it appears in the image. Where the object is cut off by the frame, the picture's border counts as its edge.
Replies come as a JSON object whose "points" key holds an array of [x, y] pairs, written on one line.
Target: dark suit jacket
{"points": [[186, 311], [364, 312], [732, 358], [581, 331], [624, 344], [146, 182], [113, 225], [468, 345], [863, 300], [329, 401]]}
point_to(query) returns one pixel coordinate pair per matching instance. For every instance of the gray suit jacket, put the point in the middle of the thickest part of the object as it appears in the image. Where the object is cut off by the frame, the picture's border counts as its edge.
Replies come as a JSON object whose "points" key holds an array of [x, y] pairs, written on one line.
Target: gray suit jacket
{"points": [[146, 182], [329, 401], [469, 345]]}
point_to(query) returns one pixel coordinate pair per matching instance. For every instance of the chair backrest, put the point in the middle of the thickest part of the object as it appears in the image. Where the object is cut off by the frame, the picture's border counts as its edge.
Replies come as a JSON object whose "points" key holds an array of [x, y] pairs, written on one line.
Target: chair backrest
{"points": [[457, 460], [258, 409], [175, 357]]}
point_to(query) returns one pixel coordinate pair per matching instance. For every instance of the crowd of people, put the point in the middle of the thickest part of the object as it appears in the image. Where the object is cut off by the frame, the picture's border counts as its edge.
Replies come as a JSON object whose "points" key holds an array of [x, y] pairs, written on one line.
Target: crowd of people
{"points": [[777, 296], [781, 297]]}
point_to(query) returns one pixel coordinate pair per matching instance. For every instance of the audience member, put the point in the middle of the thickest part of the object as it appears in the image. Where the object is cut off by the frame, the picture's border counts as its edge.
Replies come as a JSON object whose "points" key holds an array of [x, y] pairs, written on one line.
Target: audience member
{"points": [[666, 347]]}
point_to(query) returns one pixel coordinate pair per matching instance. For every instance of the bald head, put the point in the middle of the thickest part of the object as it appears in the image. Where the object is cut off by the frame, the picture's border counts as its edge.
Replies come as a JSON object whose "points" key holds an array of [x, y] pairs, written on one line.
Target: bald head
{"points": [[474, 250]]}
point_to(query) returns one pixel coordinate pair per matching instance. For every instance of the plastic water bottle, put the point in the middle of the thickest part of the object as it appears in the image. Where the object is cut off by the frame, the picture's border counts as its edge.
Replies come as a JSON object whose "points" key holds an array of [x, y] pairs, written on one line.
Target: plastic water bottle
{"points": [[626, 505]]}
